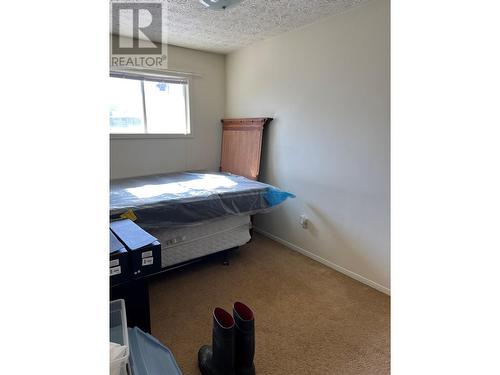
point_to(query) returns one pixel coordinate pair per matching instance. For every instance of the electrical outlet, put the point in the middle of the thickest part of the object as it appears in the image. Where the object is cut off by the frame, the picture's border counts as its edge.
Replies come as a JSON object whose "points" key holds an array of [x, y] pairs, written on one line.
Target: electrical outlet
{"points": [[304, 221]]}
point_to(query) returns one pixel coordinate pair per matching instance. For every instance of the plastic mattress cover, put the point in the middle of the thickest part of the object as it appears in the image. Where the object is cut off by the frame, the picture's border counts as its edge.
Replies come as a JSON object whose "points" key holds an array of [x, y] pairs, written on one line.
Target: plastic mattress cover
{"points": [[190, 198]]}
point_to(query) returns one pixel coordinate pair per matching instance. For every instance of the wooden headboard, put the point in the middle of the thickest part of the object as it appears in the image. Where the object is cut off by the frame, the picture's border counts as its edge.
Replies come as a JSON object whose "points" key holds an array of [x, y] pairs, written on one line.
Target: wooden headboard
{"points": [[241, 145]]}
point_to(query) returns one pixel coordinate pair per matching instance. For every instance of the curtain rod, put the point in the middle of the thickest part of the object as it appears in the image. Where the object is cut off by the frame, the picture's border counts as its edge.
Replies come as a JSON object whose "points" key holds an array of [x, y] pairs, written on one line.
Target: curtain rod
{"points": [[165, 72]]}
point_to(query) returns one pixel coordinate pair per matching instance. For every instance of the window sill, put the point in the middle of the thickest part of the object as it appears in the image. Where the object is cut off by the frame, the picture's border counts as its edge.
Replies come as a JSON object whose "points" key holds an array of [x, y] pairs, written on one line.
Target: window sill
{"points": [[150, 136]]}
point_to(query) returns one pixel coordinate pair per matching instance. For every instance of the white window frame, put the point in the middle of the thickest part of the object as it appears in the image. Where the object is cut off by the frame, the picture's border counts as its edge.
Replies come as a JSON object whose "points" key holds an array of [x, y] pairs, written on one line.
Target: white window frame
{"points": [[157, 77]]}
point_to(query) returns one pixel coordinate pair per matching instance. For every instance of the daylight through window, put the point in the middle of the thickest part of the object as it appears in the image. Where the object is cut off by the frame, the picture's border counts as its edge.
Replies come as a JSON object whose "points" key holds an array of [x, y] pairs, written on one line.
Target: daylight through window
{"points": [[148, 105]]}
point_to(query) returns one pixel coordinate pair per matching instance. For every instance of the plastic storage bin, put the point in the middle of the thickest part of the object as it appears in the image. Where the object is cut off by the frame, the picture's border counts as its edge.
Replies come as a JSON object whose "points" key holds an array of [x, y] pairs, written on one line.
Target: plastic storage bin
{"points": [[118, 334], [149, 357]]}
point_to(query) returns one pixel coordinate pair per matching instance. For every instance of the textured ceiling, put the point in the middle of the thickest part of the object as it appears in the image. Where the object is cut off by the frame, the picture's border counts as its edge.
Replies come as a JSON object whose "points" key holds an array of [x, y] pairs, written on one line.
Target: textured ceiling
{"points": [[189, 24]]}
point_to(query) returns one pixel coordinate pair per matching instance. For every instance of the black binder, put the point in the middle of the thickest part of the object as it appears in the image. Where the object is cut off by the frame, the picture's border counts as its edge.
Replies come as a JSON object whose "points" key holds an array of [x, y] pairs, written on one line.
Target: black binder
{"points": [[118, 261], [144, 250]]}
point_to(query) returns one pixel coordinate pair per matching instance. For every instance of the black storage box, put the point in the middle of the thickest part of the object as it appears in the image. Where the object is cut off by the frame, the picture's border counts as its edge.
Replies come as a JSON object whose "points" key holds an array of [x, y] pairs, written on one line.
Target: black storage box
{"points": [[144, 249], [118, 261]]}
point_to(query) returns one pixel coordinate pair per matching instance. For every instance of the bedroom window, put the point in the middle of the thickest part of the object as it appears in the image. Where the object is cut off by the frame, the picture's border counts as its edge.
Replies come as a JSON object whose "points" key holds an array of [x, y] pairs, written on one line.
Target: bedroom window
{"points": [[153, 105]]}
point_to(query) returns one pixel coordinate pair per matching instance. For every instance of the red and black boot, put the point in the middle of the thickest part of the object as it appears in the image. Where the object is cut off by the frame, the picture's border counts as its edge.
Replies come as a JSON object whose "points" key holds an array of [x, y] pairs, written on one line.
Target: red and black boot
{"points": [[244, 339], [218, 359]]}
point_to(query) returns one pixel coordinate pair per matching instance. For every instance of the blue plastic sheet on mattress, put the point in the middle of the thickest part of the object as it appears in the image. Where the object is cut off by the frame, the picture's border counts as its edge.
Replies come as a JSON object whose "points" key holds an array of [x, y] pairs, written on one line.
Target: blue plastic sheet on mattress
{"points": [[191, 198]]}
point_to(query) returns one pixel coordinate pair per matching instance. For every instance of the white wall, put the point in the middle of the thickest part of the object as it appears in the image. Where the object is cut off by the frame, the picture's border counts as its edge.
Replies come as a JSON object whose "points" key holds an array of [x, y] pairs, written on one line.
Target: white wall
{"points": [[136, 157], [327, 86]]}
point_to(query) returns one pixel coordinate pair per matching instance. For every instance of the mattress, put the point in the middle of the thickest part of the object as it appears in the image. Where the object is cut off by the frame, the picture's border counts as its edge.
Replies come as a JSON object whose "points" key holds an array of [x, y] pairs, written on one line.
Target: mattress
{"points": [[179, 199], [181, 244]]}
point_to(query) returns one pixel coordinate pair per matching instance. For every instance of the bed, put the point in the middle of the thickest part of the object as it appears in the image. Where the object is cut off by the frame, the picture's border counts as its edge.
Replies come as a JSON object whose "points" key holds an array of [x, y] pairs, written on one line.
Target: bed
{"points": [[193, 214]]}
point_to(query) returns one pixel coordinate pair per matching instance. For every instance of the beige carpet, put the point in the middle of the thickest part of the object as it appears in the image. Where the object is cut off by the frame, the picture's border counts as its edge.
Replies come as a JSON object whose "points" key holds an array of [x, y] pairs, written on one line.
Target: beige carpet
{"points": [[310, 319]]}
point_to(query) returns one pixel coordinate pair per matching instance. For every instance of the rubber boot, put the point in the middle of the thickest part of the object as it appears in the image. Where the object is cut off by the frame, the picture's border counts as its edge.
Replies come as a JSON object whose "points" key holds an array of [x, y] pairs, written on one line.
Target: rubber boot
{"points": [[218, 359], [244, 339]]}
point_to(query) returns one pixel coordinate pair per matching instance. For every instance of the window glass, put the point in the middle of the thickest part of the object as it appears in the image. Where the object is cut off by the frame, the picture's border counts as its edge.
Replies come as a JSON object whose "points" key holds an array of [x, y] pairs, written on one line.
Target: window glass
{"points": [[126, 113], [165, 107], [148, 107]]}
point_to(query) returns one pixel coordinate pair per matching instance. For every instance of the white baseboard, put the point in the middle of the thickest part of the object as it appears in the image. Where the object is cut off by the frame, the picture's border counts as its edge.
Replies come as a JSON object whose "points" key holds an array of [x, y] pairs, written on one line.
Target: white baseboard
{"points": [[336, 267]]}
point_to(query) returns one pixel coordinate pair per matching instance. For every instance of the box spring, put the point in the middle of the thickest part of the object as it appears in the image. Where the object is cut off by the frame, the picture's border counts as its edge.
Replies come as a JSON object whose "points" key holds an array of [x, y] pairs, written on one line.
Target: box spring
{"points": [[181, 244]]}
